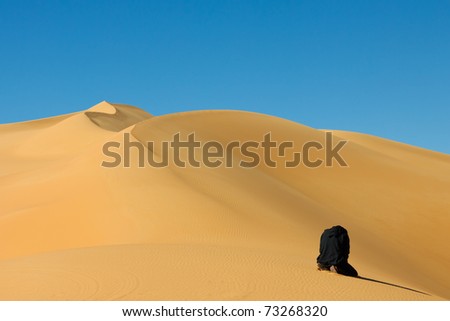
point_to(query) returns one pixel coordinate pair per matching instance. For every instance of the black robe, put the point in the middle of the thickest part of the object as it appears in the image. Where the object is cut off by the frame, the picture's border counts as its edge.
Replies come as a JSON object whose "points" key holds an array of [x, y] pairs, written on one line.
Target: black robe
{"points": [[335, 249]]}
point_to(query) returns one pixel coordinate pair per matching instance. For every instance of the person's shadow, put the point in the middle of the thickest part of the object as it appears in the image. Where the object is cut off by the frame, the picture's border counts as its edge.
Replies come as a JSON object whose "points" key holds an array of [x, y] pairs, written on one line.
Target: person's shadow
{"points": [[391, 284]]}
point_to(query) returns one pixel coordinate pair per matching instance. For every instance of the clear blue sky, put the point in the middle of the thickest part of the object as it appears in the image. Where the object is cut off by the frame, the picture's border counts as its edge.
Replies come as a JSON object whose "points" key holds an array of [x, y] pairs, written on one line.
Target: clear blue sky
{"points": [[379, 67]]}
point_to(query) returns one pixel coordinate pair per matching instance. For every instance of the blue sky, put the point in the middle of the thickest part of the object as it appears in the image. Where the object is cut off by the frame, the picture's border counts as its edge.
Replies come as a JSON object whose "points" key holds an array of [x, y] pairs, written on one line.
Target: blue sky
{"points": [[378, 67]]}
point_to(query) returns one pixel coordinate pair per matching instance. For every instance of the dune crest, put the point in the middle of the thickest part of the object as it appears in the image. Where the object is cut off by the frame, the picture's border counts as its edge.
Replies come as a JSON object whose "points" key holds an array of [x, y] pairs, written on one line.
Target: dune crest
{"points": [[115, 117], [72, 229]]}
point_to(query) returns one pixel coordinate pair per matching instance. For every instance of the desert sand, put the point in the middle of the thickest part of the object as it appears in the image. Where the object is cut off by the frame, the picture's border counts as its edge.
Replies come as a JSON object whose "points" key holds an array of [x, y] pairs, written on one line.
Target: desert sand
{"points": [[71, 229]]}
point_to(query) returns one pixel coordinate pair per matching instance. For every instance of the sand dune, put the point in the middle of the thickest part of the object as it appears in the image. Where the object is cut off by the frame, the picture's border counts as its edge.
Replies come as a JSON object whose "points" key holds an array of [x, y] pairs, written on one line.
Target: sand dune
{"points": [[72, 229]]}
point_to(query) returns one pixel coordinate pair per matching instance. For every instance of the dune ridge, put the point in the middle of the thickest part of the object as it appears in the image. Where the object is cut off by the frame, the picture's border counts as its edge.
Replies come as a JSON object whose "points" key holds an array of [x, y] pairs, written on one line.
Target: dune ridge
{"points": [[90, 232], [115, 117]]}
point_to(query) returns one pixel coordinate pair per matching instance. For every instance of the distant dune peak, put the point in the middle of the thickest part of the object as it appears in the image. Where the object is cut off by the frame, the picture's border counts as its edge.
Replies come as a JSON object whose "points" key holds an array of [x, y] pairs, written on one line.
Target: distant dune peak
{"points": [[103, 107], [115, 117]]}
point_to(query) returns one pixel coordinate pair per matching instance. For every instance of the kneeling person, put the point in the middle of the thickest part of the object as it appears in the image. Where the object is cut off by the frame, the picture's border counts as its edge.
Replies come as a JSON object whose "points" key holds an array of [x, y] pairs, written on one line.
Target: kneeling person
{"points": [[334, 251]]}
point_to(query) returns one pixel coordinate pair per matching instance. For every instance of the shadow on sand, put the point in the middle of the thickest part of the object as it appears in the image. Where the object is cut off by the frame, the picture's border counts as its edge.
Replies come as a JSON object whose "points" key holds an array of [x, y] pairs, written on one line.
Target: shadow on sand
{"points": [[391, 284]]}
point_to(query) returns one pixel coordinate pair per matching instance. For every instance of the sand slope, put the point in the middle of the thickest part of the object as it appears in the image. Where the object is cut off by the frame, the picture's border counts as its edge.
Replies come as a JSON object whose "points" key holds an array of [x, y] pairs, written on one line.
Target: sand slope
{"points": [[72, 229]]}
